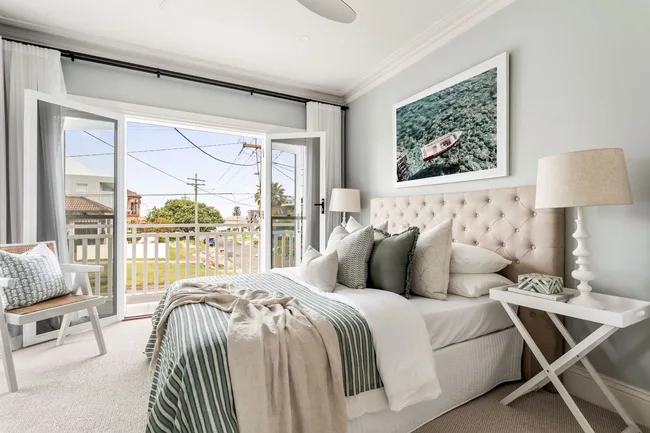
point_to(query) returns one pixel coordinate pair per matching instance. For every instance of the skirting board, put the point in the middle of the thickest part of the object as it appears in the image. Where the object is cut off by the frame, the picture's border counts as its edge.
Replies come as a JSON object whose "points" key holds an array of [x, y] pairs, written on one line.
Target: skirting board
{"points": [[635, 400]]}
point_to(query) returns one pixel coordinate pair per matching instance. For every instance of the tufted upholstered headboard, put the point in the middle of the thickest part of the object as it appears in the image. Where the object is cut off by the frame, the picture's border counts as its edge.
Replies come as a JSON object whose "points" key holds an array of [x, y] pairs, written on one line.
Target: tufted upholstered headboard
{"points": [[501, 220]]}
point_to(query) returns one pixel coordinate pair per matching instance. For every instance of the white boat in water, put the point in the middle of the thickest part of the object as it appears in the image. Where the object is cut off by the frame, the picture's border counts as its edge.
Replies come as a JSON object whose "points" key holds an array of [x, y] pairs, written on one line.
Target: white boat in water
{"points": [[441, 145]]}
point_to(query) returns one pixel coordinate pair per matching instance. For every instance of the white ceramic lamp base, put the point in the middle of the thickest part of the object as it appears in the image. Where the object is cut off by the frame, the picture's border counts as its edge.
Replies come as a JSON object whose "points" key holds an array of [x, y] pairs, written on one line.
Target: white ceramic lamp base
{"points": [[583, 273]]}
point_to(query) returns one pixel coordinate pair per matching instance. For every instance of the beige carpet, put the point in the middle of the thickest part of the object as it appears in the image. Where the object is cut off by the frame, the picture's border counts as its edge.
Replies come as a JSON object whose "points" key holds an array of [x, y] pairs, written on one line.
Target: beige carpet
{"points": [[70, 389]]}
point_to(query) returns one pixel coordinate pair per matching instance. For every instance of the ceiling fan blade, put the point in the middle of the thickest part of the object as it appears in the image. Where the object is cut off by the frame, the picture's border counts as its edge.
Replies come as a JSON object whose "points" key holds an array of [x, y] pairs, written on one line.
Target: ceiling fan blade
{"points": [[335, 10]]}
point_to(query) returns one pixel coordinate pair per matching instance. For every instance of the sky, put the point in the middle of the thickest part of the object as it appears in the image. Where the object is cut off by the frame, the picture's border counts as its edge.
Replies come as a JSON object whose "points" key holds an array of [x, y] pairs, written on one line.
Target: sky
{"points": [[226, 185]]}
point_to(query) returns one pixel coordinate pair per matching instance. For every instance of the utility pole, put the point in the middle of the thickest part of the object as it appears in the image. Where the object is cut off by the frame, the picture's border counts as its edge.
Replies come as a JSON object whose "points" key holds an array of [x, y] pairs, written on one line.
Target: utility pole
{"points": [[196, 183], [257, 149]]}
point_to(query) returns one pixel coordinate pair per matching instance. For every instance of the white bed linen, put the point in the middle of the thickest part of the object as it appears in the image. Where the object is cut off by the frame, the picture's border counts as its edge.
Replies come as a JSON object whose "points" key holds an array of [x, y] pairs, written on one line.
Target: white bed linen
{"points": [[466, 370], [404, 358], [460, 319]]}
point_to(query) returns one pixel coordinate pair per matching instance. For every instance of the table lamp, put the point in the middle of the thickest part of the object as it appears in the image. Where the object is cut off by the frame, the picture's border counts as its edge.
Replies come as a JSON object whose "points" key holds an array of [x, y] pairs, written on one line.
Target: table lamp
{"points": [[345, 200], [595, 177]]}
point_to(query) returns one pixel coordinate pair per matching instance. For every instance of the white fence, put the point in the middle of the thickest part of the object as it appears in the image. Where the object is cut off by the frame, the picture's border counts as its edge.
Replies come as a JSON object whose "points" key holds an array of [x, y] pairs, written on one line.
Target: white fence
{"points": [[159, 254]]}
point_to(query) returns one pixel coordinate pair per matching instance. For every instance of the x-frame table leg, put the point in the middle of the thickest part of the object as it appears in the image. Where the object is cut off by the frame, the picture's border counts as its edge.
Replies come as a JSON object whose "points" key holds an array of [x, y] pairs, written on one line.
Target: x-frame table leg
{"points": [[550, 372], [631, 425]]}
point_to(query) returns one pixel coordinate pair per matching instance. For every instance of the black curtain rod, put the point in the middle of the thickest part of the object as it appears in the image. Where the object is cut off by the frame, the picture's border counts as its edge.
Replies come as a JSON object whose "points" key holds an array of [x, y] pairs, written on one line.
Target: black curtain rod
{"points": [[73, 55]]}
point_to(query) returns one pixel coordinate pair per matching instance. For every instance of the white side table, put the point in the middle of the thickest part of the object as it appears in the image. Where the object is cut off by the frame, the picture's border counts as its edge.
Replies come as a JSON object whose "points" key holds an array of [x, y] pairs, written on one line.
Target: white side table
{"points": [[619, 313]]}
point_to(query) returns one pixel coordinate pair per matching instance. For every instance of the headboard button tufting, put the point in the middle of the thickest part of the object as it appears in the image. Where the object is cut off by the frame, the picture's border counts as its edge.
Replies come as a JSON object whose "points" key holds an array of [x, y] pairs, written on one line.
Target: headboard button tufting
{"points": [[516, 230], [516, 198]]}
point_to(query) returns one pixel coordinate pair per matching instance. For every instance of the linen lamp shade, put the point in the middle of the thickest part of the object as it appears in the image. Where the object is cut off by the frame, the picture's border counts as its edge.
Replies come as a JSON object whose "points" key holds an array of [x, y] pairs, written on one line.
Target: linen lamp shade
{"points": [[595, 177], [345, 200]]}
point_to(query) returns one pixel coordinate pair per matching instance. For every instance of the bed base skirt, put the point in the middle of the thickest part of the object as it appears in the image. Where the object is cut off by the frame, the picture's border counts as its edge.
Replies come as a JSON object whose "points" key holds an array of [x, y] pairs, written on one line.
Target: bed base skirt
{"points": [[466, 370]]}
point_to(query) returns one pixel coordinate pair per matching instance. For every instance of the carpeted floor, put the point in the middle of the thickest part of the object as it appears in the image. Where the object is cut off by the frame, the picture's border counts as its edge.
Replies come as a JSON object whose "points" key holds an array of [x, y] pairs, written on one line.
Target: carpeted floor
{"points": [[70, 388]]}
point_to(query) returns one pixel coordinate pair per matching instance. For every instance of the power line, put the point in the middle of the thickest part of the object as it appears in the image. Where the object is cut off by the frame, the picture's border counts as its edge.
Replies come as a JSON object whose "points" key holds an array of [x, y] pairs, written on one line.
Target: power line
{"points": [[283, 173], [162, 171], [210, 155], [151, 150]]}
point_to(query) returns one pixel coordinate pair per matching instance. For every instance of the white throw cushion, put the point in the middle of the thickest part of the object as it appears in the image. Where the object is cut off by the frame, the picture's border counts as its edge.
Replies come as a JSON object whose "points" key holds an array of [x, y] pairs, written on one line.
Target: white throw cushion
{"points": [[399, 229], [383, 226], [319, 270], [475, 285], [430, 272], [352, 225], [468, 259]]}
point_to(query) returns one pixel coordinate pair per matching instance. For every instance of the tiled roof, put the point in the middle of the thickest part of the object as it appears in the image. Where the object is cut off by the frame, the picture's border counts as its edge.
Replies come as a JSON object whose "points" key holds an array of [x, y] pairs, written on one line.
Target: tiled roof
{"points": [[83, 204], [130, 193]]}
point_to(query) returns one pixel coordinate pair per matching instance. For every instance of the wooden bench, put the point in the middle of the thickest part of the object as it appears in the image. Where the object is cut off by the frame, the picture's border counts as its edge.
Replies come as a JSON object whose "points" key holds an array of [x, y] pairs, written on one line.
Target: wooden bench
{"points": [[60, 306]]}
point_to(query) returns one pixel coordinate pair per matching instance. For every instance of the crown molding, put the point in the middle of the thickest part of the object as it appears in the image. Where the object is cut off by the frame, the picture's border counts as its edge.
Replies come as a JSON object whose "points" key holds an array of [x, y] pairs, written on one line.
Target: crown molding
{"points": [[102, 47], [465, 16]]}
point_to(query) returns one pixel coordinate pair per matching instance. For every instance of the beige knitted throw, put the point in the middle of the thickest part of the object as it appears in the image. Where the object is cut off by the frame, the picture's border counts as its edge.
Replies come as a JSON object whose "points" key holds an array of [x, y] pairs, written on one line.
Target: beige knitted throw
{"points": [[284, 359]]}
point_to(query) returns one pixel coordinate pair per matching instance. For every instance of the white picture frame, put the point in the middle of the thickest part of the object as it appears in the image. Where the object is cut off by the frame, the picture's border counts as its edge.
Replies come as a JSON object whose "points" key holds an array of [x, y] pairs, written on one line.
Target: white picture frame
{"points": [[499, 63]]}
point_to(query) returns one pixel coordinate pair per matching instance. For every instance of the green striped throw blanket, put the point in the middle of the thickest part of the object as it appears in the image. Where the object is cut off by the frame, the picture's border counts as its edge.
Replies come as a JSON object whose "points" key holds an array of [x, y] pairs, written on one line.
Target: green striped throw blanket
{"points": [[191, 389]]}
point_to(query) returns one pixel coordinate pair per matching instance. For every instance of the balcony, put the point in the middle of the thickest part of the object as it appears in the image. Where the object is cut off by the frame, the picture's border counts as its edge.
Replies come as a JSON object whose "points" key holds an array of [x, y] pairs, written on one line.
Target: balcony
{"points": [[159, 254]]}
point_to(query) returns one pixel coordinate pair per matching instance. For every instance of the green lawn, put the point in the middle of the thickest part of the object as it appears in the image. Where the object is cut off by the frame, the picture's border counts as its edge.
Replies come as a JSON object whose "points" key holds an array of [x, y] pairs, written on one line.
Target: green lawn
{"points": [[185, 271]]}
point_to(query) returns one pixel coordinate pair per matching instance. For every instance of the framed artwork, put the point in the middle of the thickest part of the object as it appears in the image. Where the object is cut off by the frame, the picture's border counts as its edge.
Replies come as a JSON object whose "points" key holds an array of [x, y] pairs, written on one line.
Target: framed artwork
{"points": [[456, 130]]}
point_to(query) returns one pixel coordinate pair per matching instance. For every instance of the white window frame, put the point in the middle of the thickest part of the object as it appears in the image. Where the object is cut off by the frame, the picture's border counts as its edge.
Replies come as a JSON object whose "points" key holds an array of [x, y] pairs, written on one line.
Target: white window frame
{"points": [[30, 204]]}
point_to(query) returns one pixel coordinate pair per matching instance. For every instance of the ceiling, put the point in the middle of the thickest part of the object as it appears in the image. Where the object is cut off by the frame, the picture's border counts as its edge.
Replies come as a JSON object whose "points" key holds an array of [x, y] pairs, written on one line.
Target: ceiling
{"points": [[261, 41]]}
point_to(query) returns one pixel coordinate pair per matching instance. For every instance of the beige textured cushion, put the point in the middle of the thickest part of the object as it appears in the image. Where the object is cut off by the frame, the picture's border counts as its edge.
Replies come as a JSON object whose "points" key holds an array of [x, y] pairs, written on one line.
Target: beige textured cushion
{"points": [[430, 273]]}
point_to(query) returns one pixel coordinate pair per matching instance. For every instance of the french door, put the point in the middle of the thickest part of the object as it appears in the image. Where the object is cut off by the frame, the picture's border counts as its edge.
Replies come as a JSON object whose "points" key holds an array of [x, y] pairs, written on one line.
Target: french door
{"points": [[78, 152], [293, 197]]}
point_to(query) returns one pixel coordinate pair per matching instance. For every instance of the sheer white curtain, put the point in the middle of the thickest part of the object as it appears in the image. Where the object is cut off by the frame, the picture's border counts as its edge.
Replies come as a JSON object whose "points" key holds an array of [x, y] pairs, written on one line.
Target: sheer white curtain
{"points": [[29, 67], [23, 67], [325, 117]]}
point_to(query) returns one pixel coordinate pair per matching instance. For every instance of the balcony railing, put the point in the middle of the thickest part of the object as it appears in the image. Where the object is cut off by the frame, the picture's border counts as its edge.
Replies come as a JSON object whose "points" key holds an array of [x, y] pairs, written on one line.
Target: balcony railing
{"points": [[159, 254]]}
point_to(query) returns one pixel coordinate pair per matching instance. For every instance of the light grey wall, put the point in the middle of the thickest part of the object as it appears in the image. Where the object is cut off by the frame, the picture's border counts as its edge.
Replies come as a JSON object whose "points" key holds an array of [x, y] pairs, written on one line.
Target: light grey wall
{"points": [[579, 79], [106, 82]]}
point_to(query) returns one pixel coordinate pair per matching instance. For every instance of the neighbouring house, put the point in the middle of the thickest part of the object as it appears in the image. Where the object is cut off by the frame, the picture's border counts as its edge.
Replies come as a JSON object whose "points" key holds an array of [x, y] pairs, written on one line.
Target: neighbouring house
{"points": [[80, 181], [134, 200], [253, 216]]}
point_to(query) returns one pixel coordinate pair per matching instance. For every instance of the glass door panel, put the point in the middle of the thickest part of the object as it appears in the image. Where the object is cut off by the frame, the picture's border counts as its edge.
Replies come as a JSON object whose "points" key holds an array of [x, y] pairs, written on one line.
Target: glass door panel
{"points": [[74, 187], [294, 194]]}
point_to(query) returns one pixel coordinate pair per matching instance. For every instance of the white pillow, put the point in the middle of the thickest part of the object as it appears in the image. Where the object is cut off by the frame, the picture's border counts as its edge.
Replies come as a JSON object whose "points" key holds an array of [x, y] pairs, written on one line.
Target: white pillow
{"points": [[352, 225], [467, 259], [430, 271], [400, 229], [319, 270], [475, 285], [383, 226]]}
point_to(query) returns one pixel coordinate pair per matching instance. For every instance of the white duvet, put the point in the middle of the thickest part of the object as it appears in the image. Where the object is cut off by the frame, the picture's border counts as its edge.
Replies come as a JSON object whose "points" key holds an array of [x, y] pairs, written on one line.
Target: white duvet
{"points": [[403, 350]]}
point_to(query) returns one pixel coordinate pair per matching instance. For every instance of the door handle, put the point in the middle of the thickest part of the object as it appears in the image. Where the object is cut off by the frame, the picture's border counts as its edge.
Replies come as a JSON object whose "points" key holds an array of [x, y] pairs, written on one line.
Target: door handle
{"points": [[322, 206]]}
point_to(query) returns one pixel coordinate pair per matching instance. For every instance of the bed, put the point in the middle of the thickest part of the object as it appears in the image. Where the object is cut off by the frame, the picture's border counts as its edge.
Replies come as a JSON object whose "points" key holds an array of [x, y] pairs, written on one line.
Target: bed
{"points": [[473, 343]]}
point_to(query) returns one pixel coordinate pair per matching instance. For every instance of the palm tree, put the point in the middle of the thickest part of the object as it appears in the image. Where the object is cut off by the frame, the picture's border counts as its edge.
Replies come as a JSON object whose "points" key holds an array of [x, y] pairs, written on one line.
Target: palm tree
{"points": [[278, 198]]}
